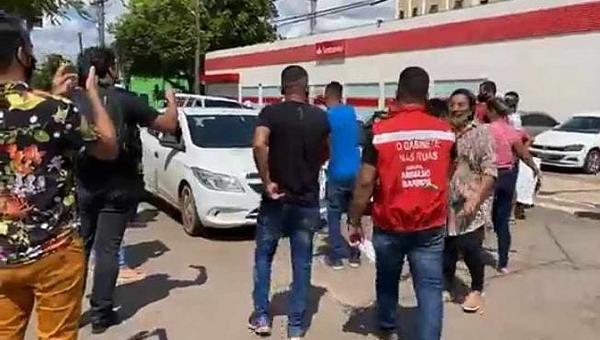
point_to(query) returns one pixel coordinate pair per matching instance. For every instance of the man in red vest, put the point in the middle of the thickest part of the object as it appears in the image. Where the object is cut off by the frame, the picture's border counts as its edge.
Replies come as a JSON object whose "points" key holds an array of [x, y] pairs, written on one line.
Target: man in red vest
{"points": [[406, 166]]}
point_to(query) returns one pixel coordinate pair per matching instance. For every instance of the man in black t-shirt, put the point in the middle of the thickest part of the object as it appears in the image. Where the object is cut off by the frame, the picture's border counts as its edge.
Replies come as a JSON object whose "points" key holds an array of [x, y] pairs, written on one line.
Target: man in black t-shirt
{"points": [[108, 191], [290, 146]]}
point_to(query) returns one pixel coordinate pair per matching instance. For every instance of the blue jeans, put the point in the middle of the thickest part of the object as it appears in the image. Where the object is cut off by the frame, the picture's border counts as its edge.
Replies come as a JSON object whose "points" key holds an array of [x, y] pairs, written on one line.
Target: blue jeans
{"points": [[339, 196], [122, 261], [501, 211], [424, 250], [276, 220]]}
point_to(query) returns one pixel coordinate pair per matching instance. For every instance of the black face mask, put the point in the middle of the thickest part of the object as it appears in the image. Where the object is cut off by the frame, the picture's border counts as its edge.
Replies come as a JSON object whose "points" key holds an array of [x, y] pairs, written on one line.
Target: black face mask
{"points": [[483, 97], [28, 69]]}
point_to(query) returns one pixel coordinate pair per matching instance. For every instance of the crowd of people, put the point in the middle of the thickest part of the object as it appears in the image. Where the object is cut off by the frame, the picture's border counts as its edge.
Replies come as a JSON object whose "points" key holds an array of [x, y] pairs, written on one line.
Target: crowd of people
{"points": [[70, 185], [438, 173]]}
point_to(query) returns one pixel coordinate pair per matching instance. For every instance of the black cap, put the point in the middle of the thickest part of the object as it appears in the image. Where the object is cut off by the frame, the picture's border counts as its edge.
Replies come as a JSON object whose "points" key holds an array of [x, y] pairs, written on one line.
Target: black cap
{"points": [[12, 24]]}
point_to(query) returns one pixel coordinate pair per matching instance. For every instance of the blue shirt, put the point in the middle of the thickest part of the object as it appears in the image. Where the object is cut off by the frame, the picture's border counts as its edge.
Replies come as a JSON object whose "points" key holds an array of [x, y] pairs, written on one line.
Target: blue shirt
{"points": [[345, 151]]}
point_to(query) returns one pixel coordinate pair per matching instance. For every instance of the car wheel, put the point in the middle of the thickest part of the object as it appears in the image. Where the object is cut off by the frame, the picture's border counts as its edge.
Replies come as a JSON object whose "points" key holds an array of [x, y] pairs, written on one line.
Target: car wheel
{"points": [[189, 214], [592, 162]]}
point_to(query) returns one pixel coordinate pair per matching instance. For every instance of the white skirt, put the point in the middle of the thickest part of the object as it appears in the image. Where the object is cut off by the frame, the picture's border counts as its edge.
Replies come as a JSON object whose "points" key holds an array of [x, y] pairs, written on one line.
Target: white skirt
{"points": [[526, 182]]}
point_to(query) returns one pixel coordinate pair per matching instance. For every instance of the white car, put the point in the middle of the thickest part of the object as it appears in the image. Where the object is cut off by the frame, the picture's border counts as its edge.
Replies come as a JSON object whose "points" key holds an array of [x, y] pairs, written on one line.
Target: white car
{"points": [[185, 100], [572, 144], [208, 172]]}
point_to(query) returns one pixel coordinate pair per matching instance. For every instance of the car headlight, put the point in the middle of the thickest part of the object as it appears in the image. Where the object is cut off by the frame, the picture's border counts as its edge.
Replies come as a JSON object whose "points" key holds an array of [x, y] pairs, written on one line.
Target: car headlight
{"points": [[574, 147], [217, 182]]}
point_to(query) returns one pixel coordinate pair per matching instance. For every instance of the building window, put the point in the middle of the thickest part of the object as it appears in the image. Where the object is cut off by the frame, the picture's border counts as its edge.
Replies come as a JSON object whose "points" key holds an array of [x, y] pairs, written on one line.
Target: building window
{"points": [[433, 9], [415, 12], [484, 2], [401, 14], [458, 4]]}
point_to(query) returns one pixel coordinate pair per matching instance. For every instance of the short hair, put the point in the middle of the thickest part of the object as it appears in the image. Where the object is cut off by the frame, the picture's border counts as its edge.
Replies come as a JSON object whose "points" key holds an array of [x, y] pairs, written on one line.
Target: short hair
{"points": [[498, 105], [413, 84], [13, 35], [294, 76], [101, 58], [489, 86], [467, 93], [335, 88], [438, 107], [512, 94]]}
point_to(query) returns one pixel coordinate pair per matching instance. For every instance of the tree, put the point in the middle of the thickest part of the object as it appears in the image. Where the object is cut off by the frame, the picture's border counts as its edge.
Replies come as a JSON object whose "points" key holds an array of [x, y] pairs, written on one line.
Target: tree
{"points": [[33, 10], [169, 38], [42, 77]]}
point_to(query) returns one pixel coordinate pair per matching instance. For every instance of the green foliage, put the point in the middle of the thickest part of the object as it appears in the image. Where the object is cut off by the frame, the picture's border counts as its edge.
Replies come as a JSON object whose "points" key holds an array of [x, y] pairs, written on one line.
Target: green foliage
{"points": [[158, 38], [42, 77], [33, 9]]}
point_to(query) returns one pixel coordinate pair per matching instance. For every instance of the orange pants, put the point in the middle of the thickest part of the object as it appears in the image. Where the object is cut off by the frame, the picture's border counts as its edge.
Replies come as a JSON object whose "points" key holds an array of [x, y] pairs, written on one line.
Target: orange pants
{"points": [[54, 283]]}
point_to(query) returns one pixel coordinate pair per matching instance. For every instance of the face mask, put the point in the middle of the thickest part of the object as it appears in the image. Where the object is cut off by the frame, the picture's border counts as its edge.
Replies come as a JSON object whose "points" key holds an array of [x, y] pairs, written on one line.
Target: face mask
{"points": [[29, 69], [460, 120], [482, 97]]}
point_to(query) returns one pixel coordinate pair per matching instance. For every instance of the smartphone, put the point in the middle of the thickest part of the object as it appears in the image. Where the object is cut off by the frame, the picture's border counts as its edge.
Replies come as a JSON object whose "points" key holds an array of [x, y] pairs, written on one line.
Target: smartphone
{"points": [[83, 69]]}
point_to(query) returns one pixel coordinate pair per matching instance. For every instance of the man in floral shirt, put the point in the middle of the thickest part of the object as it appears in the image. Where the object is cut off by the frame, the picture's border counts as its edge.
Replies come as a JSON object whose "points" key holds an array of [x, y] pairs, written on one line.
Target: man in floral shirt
{"points": [[41, 254], [471, 198]]}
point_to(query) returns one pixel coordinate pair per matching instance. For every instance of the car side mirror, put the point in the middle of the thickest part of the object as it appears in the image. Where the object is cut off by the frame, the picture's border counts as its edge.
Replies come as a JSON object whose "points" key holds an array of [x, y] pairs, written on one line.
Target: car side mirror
{"points": [[172, 142]]}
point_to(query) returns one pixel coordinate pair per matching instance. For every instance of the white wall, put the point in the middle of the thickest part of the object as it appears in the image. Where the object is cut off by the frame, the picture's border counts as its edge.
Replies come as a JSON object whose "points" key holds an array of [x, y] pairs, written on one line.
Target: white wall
{"points": [[471, 13], [559, 75]]}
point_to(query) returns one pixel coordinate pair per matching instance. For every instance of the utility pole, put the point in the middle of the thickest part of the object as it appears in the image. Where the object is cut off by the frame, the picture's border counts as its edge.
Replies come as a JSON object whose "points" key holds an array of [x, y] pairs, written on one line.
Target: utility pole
{"points": [[313, 16], [101, 14], [80, 38]]}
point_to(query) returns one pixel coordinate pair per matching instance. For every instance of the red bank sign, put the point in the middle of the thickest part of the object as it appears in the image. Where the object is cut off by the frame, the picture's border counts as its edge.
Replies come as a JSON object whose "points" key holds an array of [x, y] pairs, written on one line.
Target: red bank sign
{"points": [[331, 49]]}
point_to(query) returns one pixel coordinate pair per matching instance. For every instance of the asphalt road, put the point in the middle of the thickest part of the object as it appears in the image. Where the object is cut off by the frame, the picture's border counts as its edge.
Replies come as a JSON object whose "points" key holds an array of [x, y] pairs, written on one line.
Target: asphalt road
{"points": [[200, 288]]}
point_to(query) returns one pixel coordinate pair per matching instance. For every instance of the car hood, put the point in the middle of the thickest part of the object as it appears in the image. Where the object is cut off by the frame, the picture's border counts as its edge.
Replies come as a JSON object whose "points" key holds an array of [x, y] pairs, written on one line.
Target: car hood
{"points": [[235, 161], [564, 138]]}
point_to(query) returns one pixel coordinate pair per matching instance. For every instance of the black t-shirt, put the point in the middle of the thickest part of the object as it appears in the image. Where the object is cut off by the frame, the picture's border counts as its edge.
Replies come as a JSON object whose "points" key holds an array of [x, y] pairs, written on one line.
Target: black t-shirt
{"points": [[298, 135], [128, 113]]}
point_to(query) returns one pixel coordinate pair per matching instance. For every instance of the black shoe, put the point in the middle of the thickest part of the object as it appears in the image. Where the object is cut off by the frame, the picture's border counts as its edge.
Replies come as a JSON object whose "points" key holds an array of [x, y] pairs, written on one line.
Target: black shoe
{"points": [[334, 264], [388, 334], [100, 326], [354, 260]]}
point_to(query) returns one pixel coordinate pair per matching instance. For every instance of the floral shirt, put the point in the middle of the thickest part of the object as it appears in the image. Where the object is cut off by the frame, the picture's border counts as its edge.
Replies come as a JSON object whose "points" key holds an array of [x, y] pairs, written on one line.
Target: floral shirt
{"points": [[475, 157], [39, 136]]}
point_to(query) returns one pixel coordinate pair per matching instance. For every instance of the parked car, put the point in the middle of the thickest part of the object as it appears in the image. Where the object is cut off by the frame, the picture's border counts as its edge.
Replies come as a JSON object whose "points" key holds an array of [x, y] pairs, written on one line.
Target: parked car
{"points": [[207, 170], [573, 144], [195, 100], [537, 122]]}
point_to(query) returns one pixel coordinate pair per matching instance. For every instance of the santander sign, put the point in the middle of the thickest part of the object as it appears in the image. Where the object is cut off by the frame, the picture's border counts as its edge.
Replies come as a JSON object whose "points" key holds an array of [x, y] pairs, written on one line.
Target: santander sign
{"points": [[330, 49]]}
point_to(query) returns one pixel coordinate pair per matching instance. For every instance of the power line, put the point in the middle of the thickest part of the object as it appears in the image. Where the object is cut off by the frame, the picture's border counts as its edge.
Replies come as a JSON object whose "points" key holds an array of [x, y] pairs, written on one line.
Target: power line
{"points": [[327, 11], [330, 11]]}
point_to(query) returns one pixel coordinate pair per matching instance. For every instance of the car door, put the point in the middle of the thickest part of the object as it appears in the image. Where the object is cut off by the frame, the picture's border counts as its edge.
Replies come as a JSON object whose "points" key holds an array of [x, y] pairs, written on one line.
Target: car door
{"points": [[170, 166], [150, 146]]}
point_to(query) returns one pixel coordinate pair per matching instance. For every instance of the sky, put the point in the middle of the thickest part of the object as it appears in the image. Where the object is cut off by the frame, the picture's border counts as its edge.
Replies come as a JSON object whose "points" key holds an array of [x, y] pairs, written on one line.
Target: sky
{"points": [[63, 38]]}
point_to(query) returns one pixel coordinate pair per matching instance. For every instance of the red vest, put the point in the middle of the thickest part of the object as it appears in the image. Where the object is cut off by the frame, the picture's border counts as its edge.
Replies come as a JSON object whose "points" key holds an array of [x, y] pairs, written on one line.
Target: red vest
{"points": [[413, 164]]}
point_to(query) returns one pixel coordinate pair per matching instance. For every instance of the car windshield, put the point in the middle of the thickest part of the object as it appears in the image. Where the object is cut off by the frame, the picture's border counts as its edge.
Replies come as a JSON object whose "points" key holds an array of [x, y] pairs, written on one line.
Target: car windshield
{"points": [[581, 124], [222, 131]]}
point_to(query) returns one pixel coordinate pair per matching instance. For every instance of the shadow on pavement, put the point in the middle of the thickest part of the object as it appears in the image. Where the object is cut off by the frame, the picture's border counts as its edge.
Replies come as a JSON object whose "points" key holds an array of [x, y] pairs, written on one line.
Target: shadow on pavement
{"points": [[157, 334], [591, 215], [140, 253], [560, 170], [229, 234], [142, 219], [280, 303], [165, 207], [363, 321], [135, 296]]}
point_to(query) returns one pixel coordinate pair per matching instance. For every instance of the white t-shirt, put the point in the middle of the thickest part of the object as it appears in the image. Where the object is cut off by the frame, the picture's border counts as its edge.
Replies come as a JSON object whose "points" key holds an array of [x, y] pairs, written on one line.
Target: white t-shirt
{"points": [[515, 120]]}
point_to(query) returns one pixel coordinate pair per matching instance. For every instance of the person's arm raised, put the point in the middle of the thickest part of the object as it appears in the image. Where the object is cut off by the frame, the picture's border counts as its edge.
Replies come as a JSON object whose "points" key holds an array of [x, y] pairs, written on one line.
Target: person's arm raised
{"points": [[105, 146], [167, 122]]}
